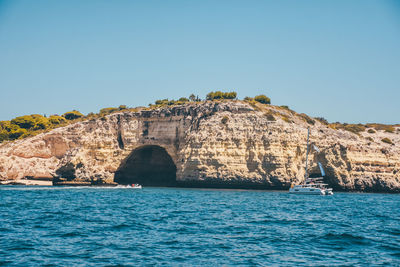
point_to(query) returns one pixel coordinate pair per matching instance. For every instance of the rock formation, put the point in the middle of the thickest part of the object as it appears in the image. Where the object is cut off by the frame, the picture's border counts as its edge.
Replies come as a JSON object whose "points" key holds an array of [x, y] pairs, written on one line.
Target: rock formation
{"points": [[218, 144]]}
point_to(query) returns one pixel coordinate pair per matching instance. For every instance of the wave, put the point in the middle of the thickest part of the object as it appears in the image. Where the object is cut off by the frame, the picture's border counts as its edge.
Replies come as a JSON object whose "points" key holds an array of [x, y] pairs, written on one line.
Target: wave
{"points": [[346, 238]]}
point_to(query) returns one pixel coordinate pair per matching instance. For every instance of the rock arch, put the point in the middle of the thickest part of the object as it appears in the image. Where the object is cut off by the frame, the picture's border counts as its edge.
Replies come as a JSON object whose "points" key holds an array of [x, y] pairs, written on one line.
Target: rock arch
{"points": [[148, 165]]}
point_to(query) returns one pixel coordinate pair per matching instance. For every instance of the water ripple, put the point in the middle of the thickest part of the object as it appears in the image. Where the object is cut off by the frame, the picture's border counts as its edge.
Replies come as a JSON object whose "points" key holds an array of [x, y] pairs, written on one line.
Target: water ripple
{"points": [[55, 226]]}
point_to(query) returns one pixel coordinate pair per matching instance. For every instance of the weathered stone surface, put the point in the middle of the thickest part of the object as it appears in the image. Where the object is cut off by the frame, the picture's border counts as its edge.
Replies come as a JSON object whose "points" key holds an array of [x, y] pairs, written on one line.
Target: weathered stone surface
{"points": [[220, 143]]}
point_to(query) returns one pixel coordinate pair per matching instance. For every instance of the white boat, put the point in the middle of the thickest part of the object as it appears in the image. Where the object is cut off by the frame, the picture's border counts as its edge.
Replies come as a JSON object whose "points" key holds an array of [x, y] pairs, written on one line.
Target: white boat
{"points": [[133, 186], [311, 186]]}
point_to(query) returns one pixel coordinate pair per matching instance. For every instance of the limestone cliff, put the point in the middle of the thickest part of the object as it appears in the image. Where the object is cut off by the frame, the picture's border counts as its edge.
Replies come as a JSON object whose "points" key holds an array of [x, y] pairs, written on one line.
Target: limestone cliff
{"points": [[228, 143]]}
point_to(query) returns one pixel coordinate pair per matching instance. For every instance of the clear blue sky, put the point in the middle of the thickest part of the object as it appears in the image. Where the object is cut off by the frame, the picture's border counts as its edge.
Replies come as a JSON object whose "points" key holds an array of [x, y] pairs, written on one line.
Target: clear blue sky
{"points": [[335, 59]]}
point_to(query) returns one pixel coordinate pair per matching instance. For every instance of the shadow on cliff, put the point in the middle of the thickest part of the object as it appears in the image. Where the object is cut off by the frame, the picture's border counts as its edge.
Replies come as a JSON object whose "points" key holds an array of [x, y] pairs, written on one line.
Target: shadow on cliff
{"points": [[148, 165]]}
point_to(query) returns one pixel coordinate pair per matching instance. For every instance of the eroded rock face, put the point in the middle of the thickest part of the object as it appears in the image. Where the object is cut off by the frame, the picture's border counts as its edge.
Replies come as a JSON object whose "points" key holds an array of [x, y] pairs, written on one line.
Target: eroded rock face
{"points": [[217, 144]]}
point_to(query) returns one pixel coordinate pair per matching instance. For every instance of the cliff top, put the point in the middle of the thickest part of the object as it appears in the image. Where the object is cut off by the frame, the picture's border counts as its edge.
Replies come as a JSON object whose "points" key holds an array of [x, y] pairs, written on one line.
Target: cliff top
{"points": [[31, 125]]}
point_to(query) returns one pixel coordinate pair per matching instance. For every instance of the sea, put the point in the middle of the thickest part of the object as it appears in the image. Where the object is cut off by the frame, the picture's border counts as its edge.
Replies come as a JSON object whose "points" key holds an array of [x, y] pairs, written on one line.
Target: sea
{"points": [[97, 226]]}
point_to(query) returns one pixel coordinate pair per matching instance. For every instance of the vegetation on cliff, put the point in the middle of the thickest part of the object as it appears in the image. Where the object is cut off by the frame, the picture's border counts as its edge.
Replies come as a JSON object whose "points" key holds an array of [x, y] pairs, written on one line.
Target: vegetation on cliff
{"points": [[263, 99], [29, 125], [221, 95], [72, 115], [387, 141]]}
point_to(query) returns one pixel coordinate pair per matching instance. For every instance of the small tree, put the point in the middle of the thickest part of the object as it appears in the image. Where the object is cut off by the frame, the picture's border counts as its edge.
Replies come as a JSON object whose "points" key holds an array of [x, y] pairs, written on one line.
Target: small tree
{"points": [[183, 99], [192, 98], [162, 102], [34, 121], [221, 95], [262, 99], [72, 115], [230, 95], [25, 122], [322, 120]]}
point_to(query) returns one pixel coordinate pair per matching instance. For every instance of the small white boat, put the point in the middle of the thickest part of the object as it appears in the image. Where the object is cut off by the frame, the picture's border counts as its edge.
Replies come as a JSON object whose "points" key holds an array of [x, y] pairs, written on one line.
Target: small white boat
{"points": [[312, 186], [133, 186]]}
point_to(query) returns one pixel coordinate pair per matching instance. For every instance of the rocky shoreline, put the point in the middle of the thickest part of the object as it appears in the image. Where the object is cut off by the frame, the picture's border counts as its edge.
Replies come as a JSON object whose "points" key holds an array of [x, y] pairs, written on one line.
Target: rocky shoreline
{"points": [[226, 144]]}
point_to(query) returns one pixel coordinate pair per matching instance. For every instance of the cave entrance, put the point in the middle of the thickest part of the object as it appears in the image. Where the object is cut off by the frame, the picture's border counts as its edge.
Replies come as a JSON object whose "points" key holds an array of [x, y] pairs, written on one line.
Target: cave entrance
{"points": [[148, 165]]}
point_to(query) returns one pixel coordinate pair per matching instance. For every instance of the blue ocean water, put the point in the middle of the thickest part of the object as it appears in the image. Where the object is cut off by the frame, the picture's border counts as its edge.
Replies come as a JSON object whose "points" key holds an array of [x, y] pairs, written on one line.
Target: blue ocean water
{"points": [[169, 226]]}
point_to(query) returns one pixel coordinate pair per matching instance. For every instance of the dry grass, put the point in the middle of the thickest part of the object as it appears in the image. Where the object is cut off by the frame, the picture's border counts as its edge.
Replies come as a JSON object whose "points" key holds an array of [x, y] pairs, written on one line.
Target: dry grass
{"points": [[354, 128], [306, 118], [382, 127], [269, 116]]}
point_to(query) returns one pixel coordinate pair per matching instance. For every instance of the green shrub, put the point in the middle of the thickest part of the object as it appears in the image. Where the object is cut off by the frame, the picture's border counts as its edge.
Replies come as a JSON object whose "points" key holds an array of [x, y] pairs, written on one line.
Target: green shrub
{"points": [[55, 119], [34, 121], [10, 130], [322, 120], [10, 127], [221, 95], [262, 99], [25, 122], [91, 115], [7, 125], [370, 139], [183, 99], [382, 127], [166, 102], [3, 135], [387, 141], [354, 128], [122, 107], [106, 111], [17, 133], [4, 125], [248, 99], [161, 102], [225, 120], [371, 131], [230, 95], [42, 123], [72, 115]]}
